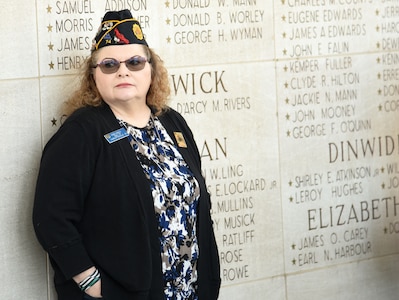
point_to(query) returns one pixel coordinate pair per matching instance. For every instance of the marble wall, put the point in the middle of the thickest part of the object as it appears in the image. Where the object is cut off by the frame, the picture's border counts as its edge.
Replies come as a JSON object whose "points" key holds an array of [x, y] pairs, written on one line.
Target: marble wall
{"points": [[294, 105]]}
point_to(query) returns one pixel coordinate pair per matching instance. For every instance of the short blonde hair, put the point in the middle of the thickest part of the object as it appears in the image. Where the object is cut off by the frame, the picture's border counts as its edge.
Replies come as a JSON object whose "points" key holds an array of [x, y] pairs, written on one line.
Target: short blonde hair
{"points": [[87, 93]]}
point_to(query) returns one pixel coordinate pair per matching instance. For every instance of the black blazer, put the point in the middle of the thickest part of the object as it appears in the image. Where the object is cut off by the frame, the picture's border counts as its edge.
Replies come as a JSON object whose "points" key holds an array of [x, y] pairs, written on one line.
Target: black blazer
{"points": [[93, 206]]}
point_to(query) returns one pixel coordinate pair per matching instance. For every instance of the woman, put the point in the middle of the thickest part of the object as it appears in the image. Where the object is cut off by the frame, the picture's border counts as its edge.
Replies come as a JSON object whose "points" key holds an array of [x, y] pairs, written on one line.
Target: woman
{"points": [[120, 205]]}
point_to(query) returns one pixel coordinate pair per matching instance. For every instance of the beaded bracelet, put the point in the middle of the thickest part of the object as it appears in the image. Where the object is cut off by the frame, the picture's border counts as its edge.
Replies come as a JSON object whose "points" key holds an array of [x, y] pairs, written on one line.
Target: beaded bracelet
{"points": [[89, 281]]}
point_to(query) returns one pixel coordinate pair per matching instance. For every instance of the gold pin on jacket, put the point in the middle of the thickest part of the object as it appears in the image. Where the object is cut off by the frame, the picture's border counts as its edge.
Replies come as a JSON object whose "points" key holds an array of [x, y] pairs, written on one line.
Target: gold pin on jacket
{"points": [[181, 142]]}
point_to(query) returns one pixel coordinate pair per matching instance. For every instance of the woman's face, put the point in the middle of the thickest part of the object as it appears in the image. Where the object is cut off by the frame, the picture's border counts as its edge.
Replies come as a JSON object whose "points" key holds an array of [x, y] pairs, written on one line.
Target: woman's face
{"points": [[124, 85]]}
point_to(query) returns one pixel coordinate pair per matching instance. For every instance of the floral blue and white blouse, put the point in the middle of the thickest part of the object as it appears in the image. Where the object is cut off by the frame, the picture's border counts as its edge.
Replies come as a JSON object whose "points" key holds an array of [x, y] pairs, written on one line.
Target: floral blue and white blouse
{"points": [[176, 192]]}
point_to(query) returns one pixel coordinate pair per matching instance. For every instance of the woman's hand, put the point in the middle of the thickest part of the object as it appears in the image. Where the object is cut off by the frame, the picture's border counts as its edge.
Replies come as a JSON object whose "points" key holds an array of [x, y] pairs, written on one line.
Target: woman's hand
{"points": [[95, 289]]}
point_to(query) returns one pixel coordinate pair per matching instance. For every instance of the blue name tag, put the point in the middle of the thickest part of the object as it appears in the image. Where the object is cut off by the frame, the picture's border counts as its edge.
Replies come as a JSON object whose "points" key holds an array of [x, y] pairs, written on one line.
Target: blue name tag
{"points": [[116, 135]]}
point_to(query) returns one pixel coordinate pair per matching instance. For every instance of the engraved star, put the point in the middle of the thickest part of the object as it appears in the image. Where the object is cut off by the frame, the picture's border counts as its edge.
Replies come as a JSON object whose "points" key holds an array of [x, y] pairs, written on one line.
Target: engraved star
{"points": [[283, 18], [377, 28], [383, 186], [294, 261], [167, 4], [282, 2], [288, 133], [382, 170], [287, 101], [291, 199], [285, 68], [290, 183], [287, 116], [49, 28], [377, 12], [380, 107], [51, 65], [284, 35], [49, 8], [378, 60], [379, 75], [54, 121], [285, 52], [168, 39], [379, 92], [167, 21], [293, 246], [50, 47], [286, 85], [385, 230], [378, 45]]}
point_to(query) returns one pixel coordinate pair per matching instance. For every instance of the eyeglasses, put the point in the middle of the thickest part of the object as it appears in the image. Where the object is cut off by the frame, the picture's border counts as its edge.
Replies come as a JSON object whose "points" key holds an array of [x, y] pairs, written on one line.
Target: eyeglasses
{"points": [[111, 65]]}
